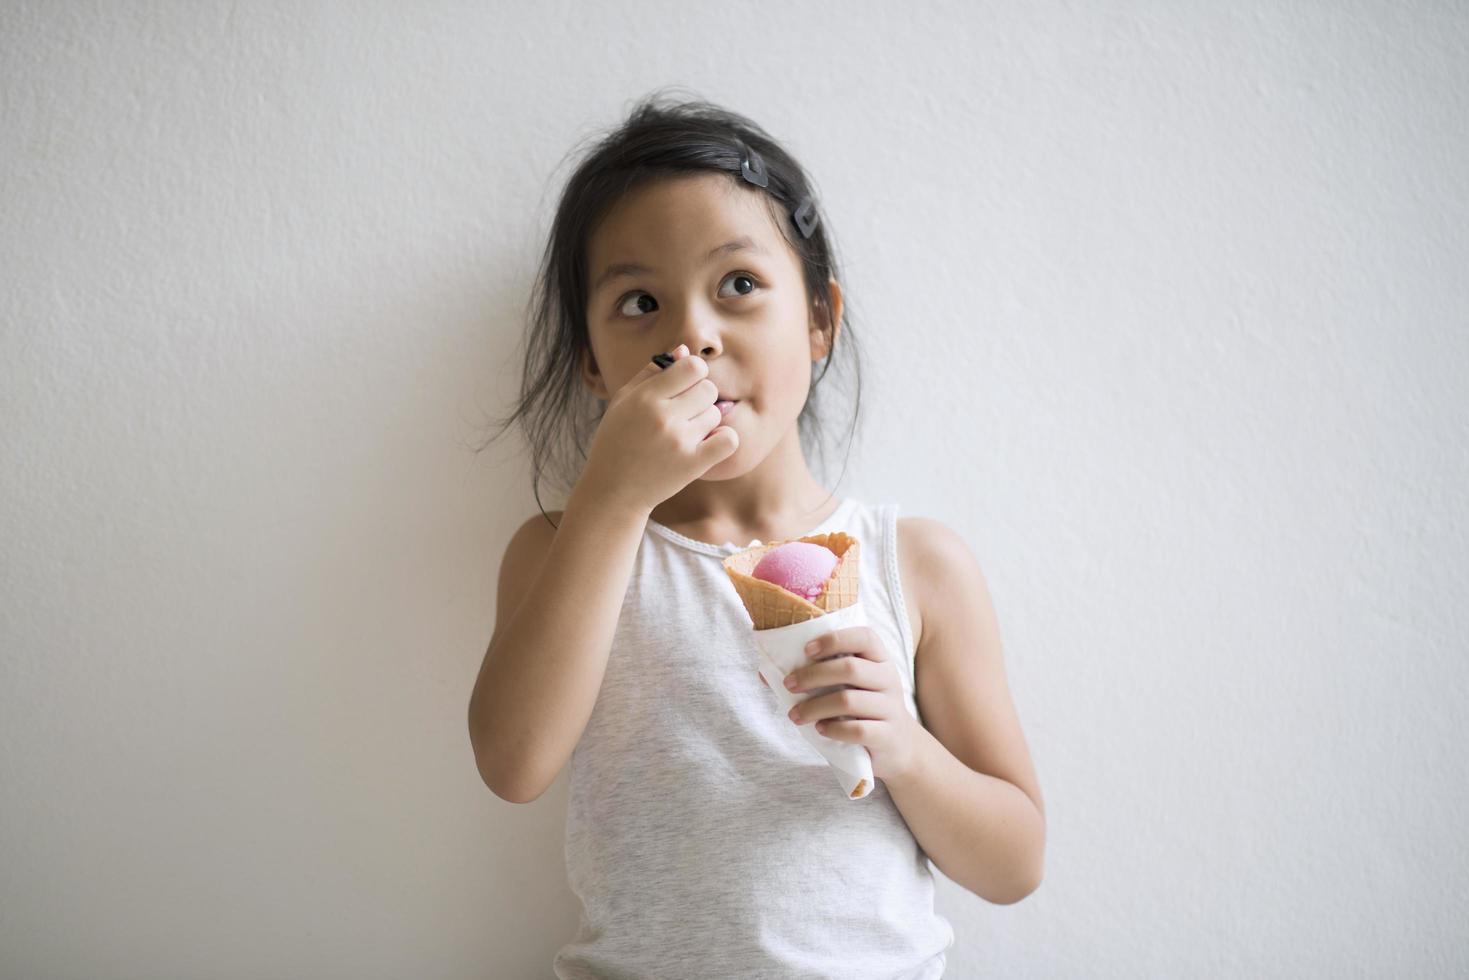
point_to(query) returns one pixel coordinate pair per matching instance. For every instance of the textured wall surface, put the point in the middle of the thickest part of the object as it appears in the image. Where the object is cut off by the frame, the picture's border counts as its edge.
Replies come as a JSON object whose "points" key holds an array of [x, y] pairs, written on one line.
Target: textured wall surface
{"points": [[1178, 288]]}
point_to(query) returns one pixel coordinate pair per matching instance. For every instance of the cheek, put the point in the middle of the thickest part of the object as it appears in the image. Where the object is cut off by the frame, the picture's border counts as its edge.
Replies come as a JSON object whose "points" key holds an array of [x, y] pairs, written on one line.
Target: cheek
{"points": [[790, 384], [784, 352]]}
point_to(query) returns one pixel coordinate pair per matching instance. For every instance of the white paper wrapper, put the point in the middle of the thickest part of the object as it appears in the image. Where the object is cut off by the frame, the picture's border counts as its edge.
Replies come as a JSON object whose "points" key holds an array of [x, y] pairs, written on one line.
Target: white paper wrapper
{"points": [[783, 650]]}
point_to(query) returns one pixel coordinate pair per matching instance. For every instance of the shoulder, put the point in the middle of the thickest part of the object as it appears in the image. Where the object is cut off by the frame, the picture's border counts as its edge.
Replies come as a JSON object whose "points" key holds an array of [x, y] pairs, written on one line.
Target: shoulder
{"points": [[936, 565], [933, 539], [534, 534]]}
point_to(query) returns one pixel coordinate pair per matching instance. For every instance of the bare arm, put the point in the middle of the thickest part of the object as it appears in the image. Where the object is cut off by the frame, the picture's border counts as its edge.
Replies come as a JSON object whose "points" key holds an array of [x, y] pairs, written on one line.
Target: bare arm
{"points": [[560, 594], [972, 798]]}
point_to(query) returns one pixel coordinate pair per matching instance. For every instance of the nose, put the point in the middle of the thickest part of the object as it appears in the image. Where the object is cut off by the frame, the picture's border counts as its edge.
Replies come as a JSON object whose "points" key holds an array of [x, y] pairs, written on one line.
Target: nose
{"points": [[694, 323], [703, 343]]}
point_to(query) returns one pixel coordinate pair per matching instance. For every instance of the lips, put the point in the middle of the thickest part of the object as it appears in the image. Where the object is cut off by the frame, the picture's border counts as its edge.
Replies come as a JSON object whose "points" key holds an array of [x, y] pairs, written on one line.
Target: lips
{"points": [[725, 404]]}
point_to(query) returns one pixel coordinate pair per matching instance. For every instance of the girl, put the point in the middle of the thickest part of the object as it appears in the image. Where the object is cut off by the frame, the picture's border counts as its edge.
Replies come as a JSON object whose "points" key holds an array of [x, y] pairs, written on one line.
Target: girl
{"points": [[689, 286]]}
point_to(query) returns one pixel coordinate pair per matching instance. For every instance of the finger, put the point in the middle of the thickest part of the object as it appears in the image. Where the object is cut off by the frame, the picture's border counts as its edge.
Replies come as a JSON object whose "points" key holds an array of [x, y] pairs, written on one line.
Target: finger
{"points": [[851, 703], [720, 444], [679, 376], [859, 640], [656, 365], [706, 421], [855, 671], [856, 731], [646, 373], [692, 402], [655, 369], [666, 358]]}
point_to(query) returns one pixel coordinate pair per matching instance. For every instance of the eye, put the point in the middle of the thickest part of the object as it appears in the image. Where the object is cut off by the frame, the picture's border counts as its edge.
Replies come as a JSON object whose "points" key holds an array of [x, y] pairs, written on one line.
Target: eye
{"points": [[642, 307], [746, 277], [622, 308]]}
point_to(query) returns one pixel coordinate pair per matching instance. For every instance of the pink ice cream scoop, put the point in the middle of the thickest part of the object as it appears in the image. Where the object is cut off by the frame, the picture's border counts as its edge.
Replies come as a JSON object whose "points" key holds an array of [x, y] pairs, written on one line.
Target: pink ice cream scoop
{"points": [[797, 566]]}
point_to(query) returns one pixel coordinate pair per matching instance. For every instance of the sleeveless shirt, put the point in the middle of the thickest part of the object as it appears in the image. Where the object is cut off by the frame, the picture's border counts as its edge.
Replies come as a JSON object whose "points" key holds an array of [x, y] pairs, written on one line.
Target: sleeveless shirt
{"points": [[705, 837]]}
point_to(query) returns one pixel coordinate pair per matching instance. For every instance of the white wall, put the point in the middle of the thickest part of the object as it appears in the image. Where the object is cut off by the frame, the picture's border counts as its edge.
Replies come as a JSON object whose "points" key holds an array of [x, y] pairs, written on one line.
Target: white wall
{"points": [[1180, 287]]}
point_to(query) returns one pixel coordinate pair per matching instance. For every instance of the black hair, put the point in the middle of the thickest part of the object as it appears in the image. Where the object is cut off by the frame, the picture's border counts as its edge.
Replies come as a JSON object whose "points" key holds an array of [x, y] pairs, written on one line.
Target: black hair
{"points": [[659, 139]]}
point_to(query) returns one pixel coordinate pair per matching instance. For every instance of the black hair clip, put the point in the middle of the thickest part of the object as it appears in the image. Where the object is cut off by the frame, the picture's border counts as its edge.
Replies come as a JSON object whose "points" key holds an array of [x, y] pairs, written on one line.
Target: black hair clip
{"points": [[806, 216], [752, 168]]}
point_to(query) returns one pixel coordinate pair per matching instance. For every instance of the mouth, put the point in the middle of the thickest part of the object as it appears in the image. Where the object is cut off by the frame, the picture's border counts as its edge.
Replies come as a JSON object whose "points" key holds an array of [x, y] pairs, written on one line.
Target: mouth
{"points": [[725, 405]]}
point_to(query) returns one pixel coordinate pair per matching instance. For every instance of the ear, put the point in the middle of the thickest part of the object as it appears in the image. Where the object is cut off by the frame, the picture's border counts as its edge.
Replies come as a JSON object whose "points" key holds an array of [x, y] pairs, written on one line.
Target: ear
{"points": [[591, 376], [822, 319]]}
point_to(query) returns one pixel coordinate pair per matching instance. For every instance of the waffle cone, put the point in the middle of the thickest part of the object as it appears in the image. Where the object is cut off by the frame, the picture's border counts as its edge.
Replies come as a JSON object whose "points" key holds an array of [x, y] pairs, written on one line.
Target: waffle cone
{"points": [[771, 606]]}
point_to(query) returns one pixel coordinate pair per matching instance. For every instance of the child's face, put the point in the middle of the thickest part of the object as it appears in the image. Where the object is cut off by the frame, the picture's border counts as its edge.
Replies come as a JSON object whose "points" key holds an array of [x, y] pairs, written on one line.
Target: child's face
{"points": [[744, 311]]}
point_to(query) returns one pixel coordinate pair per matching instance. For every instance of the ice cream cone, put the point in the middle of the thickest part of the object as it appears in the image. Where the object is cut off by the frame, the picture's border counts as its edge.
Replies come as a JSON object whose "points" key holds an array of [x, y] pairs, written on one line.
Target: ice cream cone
{"points": [[784, 623], [771, 606]]}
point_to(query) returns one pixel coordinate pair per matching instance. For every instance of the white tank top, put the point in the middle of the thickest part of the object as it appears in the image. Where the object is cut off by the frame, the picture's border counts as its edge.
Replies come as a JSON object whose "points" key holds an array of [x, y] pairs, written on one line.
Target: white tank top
{"points": [[705, 836]]}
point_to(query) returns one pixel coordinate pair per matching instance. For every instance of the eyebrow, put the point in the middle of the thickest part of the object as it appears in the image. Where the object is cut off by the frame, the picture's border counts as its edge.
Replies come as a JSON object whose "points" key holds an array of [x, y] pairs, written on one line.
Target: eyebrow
{"points": [[619, 269]]}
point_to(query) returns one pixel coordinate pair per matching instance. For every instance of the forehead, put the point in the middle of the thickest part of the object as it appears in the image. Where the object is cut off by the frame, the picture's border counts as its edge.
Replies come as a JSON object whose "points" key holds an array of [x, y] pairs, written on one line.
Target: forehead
{"points": [[672, 218]]}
